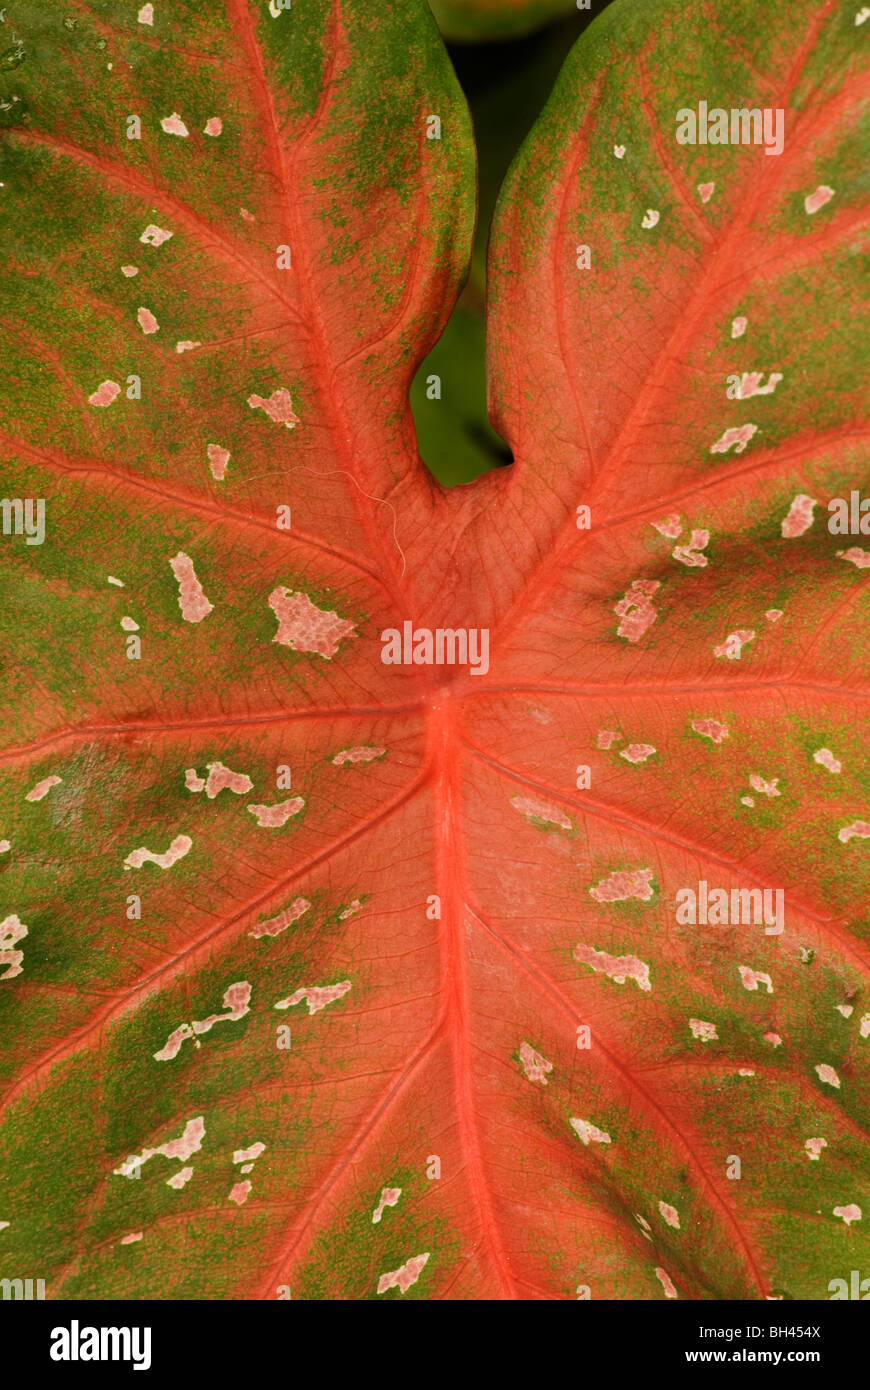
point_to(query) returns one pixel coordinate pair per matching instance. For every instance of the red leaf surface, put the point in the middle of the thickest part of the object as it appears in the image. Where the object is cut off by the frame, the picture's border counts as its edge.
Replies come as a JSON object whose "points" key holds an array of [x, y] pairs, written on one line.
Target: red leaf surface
{"points": [[333, 978]]}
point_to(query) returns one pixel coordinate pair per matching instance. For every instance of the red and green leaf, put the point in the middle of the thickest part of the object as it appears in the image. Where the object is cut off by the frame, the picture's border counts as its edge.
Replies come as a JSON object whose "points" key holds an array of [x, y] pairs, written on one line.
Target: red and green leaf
{"points": [[442, 908]]}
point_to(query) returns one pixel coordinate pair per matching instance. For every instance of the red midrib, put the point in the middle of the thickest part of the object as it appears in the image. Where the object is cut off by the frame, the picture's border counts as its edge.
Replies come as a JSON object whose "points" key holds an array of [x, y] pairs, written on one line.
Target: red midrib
{"points": [[445, 743], [323, 369]]}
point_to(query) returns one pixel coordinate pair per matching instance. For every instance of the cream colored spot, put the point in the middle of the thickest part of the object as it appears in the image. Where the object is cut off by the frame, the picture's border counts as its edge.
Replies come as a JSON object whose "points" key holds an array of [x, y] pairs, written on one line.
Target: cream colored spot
{"points": [[706, 1032], [828, 1075], [154, 235], [174, 125], [666, 1283], [849, 1214], [589, 1133], [534, 1065]]}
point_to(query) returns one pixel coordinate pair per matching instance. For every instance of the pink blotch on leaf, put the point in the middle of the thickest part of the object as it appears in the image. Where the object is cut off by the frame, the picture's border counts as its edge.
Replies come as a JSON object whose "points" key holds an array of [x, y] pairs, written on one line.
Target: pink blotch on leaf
{"points": [[534, 807], [855, 556], [173, 1043], [669, 526], [182, 1148], [129, 270], [624, 884], [689, 554], [273, 817], [360, 754], [304, 627], [249, 1155], [177, 850], [246, 216], [825, 758], [758, 784], [317, 996], [105, 393], [605, 738], [588, 1133], [800, 517], [403, 1277], [193, 781], [187, 345], [42, 788], [773, 615], [213, 126], [147, 321], [750, 385], [146, 14], [636, 610], [637, 752], [616, 968], [240, 1193], [818, 198], [666, 1283], [174, 125], [737, 438], [670, 1215], [773, 1038], [131, 1238], [705, 1032], [828, 1075], [12, 930], [388, 1198], [192, 601], [275, 925], [179, 1179], [738, 326], [218, 459], [534, 1065], [154, 235], [710, 728], [221, 778], [859, 829], [236, 1000], [849, 1214], [753, 978], [279, 407], [705, 191]]}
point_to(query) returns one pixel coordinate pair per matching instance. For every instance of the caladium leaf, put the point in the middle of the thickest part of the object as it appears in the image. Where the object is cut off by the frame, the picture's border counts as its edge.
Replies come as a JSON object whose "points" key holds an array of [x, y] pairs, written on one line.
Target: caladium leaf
{"points": [[467, 20], [331, 976]]}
